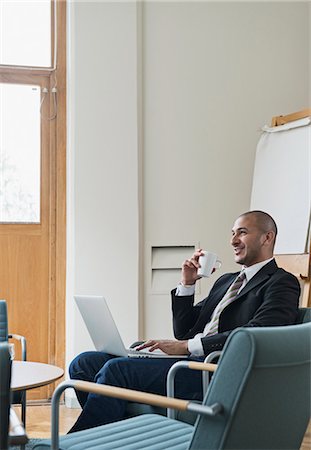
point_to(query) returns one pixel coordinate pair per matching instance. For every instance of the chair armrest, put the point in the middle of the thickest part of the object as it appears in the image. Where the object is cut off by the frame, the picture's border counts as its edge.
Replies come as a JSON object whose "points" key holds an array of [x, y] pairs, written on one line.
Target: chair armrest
{"points": [[124, 394], [194, 365], [23, 344], [211, 356], [17, 434], [206, 367], [205, 376]]}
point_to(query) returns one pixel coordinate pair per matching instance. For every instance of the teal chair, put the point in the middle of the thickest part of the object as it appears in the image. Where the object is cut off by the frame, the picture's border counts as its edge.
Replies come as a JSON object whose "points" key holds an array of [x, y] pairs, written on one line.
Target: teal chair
{"points": [[304, 315], [259, 398], [135, 409], [8, 418], [20, 396], [5, 380]]}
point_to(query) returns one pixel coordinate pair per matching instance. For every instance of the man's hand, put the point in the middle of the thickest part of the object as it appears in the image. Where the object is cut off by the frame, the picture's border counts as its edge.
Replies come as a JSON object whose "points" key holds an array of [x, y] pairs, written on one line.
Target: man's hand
{"points": [[190, 267], [171, 347]]}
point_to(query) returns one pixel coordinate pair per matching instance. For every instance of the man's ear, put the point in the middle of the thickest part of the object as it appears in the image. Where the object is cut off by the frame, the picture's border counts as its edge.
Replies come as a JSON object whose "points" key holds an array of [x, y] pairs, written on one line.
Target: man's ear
{"points": [[269, 238]]}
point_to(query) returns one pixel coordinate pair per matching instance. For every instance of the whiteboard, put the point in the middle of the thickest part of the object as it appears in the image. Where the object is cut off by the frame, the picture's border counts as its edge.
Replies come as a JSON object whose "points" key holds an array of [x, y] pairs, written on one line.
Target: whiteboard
{"points": [[282, 182]]}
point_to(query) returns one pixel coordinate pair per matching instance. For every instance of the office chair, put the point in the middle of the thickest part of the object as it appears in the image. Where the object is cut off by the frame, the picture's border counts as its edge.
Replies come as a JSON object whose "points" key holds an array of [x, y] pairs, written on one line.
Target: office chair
{"points": [[135, 409], [19, 397], [304, 315], [259, 398], [11, 431], [5, 380]]}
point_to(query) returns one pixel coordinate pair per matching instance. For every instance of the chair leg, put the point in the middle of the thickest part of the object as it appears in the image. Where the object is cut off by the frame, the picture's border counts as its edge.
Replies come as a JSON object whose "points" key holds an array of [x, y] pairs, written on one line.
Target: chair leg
{"points": [[23, 412], [23, 409]]}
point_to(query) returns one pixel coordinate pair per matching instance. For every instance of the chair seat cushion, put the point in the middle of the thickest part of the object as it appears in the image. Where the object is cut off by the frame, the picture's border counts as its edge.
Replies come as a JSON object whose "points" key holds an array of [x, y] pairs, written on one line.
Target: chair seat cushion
{"points": [[145, 432]]}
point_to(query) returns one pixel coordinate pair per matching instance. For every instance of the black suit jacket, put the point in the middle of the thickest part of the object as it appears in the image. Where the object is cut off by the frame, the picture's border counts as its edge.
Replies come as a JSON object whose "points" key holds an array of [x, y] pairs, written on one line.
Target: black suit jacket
{"points": [[270, 298]]}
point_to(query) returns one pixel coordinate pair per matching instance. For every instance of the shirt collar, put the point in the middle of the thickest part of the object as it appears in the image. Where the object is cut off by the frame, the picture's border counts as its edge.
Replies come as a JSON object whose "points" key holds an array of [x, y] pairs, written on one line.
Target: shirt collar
{"points": [[252, 270]]}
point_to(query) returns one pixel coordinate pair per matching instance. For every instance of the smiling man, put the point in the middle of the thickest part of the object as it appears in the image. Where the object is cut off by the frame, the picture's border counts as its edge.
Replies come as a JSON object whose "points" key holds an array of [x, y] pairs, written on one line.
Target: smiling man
{"points": [[260, 295], [267, 296]]}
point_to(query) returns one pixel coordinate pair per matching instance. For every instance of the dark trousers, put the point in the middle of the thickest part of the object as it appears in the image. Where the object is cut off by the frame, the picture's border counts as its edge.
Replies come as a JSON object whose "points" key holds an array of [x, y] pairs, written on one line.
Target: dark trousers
{"points": [[142, 374]]}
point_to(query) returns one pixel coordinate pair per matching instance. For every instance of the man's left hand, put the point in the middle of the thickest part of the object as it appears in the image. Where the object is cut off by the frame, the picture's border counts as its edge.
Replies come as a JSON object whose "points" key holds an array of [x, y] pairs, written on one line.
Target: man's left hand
{"points": [[171, 347]]}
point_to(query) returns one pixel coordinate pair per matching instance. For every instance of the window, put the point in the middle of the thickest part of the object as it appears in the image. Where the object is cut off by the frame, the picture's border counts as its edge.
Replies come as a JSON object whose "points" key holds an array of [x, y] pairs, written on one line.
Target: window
{"points": [[25, 33], [19, 153], [27, 79]]}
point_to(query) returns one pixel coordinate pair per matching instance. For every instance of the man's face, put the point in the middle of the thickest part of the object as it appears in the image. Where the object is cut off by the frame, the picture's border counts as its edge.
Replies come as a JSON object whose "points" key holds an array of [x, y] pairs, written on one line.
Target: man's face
{"points": [[248, 241]]}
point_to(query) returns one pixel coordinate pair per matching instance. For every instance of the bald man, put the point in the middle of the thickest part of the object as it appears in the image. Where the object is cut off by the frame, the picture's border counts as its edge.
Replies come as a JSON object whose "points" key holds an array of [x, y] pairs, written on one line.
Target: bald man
{"points": [[264, 295]]}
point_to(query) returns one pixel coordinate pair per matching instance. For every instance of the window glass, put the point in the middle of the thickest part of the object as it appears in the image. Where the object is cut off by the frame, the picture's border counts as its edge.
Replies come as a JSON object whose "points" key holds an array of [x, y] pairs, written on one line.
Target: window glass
{"points": [[19, 153], [25, 33]]}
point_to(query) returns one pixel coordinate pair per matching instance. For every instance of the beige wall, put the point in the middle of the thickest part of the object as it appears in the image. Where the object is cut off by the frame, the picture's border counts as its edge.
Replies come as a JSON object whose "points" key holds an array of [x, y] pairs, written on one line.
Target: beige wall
{"points": [[193, 81], [213, 74]]}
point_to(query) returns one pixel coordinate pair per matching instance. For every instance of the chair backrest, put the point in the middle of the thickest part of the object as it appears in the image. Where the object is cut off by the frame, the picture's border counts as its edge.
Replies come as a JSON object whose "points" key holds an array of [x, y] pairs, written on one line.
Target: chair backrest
{"points": [[5, 381], [304, 315], [263, 382], [3, 321]]}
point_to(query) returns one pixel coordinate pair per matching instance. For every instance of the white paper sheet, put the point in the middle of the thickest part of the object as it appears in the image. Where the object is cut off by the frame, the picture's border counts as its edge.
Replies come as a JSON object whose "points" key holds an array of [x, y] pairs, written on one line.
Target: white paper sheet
{"points": [[282, 183]]}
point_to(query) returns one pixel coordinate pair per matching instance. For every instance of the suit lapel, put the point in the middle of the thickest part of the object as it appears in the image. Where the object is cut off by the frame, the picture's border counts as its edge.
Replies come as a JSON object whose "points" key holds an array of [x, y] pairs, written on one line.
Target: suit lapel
{"points": [[220, 291], [260, 277], [216, 295]]}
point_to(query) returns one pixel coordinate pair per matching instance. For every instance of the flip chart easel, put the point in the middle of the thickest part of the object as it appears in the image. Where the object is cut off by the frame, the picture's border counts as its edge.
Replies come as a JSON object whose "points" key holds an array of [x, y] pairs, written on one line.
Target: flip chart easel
{"points": [[298, 264]]}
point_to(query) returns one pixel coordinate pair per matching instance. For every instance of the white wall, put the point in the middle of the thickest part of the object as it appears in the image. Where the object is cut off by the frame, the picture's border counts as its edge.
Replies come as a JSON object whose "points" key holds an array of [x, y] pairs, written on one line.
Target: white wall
{"points": [[102, 164], [309, 41], [211, 74], [214, 73]]}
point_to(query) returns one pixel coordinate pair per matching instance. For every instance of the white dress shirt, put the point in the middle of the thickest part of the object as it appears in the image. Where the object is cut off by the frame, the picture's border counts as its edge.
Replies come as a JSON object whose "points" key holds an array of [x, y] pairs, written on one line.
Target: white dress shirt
{"points": [[195, 344]]}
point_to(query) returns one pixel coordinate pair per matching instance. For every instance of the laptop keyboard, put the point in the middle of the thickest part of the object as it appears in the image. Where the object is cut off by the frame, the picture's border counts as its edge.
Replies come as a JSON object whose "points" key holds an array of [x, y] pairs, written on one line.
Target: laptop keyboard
{"points": [[158, 352]]}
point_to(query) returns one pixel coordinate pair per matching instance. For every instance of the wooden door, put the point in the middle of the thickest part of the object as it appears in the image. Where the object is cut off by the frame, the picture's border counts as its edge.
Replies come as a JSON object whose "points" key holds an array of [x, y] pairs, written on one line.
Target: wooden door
{"points": [[27, 272]]}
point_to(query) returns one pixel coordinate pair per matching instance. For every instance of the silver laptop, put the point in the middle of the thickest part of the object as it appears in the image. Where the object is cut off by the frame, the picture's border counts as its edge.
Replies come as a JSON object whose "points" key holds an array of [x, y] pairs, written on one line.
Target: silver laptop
{"points": [[104, 332]]}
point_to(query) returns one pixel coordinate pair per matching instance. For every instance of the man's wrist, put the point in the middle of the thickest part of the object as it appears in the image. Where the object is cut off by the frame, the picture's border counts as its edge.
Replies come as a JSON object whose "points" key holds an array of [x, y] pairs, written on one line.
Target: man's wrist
{"points": [[185, 291], [187, 285]]}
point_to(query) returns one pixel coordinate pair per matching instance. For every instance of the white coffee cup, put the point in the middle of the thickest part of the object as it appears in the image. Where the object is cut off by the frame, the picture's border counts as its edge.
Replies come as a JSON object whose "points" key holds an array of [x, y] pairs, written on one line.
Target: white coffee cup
{"points": [[208, 262]]}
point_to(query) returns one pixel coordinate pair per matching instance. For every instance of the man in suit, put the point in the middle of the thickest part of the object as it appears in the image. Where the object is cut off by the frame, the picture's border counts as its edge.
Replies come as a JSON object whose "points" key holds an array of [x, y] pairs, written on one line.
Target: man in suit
{"points": [[260, 295]]}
